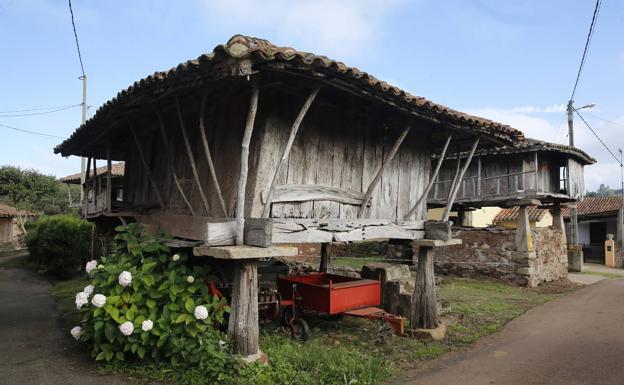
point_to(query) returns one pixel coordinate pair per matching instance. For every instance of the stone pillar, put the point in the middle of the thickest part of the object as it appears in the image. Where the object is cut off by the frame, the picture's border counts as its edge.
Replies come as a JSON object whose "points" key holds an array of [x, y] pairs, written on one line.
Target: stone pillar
{"points": [[557, 221], [523, 240]]}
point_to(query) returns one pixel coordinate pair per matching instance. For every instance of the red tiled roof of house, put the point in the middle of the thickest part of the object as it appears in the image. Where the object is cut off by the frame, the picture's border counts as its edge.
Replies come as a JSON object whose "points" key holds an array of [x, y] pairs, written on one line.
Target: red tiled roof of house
{"points": [[260, 52], [117, 169], [511, 214], [10, 212], [596, 206]]}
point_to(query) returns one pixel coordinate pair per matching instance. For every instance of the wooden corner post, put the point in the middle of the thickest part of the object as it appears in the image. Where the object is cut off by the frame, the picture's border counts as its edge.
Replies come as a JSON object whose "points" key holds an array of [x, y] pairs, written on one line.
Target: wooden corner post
{"points": [[243, 327], [424, 307]]}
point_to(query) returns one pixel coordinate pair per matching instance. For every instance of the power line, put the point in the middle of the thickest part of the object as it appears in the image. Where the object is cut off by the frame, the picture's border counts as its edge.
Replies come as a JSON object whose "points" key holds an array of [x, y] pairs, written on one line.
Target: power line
{"points": [[36, 109], [599, 138], [31, 132], [605, 120], [3, 115], [71, 11], [587, 43]]}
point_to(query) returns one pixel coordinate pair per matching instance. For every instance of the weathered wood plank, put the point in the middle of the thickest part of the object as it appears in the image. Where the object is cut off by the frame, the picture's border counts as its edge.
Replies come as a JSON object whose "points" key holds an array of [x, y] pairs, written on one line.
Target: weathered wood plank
{"points": [[303, 193], [432, 180], [146, 166], [293, 133], [258, 231], [244, 252], [211, 168], [169, 156], [384, 165], [191, 157], [244, 165]]}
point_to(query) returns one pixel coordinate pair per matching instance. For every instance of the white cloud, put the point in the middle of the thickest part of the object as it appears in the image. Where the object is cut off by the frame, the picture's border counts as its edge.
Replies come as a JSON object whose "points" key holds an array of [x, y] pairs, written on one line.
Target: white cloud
{"points": [[533, 127], [332, 28]]}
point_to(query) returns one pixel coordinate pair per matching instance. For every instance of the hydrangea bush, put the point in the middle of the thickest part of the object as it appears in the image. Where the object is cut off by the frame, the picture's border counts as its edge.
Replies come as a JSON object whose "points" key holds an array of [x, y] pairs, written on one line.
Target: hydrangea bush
{"points": [[143, 302]]}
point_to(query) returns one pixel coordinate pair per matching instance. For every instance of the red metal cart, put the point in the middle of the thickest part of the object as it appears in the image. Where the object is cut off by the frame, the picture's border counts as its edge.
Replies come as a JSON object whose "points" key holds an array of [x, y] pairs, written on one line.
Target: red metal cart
{"points": [[333, 295]]}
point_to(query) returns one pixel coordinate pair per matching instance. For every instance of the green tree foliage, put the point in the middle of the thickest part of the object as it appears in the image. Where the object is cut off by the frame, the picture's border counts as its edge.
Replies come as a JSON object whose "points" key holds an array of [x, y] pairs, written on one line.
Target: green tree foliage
{"points": [[28, 189], [59, 243], [604, 191]]}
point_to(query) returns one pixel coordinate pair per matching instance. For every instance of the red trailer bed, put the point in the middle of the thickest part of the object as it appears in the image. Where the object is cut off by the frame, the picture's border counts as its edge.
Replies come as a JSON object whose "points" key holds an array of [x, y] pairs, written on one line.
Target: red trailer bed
{"points": [[330, 293]]}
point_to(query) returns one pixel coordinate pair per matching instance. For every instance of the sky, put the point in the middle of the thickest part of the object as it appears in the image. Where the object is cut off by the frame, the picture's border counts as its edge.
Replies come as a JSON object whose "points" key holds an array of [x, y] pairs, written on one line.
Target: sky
{"points": [[510, 61]]}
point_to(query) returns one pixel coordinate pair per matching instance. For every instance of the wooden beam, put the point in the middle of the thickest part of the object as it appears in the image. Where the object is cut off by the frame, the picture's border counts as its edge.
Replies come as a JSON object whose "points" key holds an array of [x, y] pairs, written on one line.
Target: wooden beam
{"points": [[383, 166], [536, 174], [109, 169], [431, 180], [244, 166], [291, 138], [478, 176], [312, 192], [163, 136], [189, 153], [211, 168], [146, 166], [449, 204]]}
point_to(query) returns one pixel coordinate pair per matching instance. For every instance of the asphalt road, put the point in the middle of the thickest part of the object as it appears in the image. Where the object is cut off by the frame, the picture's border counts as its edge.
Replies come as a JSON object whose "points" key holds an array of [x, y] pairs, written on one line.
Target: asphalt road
{"points": [[35, 347], [577, 339]]}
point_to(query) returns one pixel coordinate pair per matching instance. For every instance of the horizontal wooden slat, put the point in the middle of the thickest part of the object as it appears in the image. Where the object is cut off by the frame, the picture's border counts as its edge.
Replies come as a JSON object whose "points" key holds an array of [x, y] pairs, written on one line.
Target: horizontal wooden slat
{"points": [[313, 192]]}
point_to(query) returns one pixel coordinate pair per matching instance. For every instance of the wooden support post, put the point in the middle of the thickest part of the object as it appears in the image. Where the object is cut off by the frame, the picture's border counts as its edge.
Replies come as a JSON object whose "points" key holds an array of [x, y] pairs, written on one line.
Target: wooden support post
{"points": [[478, 176], [85, 188], [325, 258], [109, 170], [449, 204], [189, 153], [163, 136], [211, 168], [382, 167], [293, 133], [243, 323], [146, 166], [69, 197], [424, 307], [244, 166], [536, 174], [432, 180]]}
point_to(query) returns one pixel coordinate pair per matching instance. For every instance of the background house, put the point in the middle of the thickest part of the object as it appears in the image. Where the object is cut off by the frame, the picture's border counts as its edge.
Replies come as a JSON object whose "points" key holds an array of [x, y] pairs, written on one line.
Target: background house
{"points": [[597, 217], [11, 232], [508, 217]]}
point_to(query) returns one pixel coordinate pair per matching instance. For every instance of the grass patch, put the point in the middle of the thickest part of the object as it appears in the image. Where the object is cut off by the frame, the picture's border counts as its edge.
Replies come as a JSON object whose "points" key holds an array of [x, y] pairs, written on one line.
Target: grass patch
{"points": [[65, 294], [351, 350], [354, 262], [18, 260]]}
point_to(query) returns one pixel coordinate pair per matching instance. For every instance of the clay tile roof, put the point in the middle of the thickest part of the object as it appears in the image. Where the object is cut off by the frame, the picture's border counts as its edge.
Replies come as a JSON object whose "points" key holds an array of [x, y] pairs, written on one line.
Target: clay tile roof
{"points": [[260, 52], [10, 212], [532, 145], [596, 206], [511, 214], [117, 169]]}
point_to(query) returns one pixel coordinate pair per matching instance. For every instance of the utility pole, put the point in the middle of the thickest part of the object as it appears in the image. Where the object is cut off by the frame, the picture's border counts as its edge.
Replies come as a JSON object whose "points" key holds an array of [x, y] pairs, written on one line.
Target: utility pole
{"points": [[575, 252], [620, 224], [83, 160]]}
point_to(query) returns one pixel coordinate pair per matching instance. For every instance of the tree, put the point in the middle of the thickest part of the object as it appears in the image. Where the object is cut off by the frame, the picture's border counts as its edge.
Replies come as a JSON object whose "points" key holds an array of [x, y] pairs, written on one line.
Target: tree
{"points": [[26, 189]]}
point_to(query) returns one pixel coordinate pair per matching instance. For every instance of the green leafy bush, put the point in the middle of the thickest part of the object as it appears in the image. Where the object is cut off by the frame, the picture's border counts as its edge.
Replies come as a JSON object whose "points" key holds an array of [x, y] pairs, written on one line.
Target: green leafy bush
{"points": [[145, 303], [59, 243]]}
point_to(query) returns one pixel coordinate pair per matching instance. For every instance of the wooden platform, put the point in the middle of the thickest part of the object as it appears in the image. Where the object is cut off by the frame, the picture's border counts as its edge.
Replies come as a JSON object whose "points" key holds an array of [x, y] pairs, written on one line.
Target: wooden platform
{"points": [[436, 242], [244, 252]]}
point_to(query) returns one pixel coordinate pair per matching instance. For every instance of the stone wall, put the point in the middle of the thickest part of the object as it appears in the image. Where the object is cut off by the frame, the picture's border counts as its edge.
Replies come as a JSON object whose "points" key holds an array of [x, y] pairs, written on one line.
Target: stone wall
{"points": [[491, 252]]}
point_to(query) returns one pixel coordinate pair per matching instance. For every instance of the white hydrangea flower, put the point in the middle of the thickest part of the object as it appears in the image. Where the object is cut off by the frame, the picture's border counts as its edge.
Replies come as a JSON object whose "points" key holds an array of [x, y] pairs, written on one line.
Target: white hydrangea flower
{"points": [[201, 313], [76, 332], [98, 300], [176, 257], [147, 325], [126, 328], [125, 278], [190, 279], [88, 290], [82, 299], [91, 265]]}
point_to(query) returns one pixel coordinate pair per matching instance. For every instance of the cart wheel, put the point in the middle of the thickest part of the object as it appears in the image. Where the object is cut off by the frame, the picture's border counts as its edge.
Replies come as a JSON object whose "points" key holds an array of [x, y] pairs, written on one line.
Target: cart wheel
{"points": [[287, 315], [300, 330]]}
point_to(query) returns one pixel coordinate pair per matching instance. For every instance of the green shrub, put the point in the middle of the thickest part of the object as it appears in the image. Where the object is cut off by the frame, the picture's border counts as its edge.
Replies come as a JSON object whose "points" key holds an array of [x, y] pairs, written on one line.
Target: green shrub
{"points": [[59, 243], [147, 304]]}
